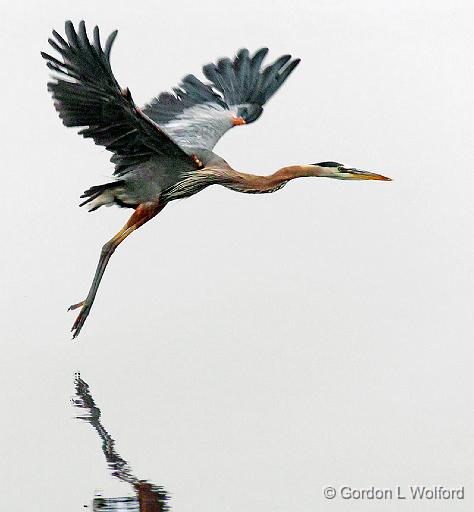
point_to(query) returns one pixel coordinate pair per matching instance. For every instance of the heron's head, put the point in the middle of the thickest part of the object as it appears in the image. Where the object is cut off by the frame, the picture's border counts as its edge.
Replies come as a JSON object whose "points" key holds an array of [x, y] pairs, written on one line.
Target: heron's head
{"points": [[343, 172]]}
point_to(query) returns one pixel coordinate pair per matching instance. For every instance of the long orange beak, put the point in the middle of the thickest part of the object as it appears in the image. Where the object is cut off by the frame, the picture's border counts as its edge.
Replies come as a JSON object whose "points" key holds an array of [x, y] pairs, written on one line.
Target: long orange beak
{"points": [[236, 121], [364, 175], [357, 174]]}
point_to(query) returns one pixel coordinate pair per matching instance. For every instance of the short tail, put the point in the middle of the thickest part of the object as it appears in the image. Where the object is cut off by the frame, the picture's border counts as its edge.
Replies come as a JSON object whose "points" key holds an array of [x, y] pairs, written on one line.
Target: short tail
{"points": [[103, 195]]}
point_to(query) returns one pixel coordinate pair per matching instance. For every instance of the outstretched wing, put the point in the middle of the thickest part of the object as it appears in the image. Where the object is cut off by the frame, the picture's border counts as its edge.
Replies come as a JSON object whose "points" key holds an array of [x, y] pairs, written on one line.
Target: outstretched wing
{"points": [[198, 114], [87, 94]]}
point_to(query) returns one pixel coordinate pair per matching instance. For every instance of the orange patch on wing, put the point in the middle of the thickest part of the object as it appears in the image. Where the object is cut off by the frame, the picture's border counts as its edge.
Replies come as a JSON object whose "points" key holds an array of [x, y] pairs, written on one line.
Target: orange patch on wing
{"points": [[198, 162], [237, 121]]}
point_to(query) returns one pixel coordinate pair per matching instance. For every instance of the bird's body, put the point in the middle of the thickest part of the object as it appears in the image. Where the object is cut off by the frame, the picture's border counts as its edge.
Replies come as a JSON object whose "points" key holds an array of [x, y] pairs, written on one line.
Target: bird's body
{"points": [[164, 151]]}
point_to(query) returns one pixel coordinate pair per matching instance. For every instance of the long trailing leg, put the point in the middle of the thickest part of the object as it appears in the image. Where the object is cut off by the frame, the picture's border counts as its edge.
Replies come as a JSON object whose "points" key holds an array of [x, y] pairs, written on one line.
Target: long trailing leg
{"points": [[143, 213]]}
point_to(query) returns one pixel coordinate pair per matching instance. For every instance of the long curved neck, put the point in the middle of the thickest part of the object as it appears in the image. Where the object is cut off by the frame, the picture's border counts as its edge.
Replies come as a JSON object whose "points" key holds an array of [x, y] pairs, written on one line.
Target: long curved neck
{"points": [[223, 174], [254, 184]]}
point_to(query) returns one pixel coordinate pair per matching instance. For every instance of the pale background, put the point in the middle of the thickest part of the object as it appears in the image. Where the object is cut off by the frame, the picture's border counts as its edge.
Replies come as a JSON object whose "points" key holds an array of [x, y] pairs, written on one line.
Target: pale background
{"points": [[247, 351]]}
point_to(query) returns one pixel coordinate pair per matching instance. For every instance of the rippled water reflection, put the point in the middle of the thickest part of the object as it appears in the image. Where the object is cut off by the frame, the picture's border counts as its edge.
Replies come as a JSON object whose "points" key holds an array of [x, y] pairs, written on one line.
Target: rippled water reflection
{"points": [[148, 497]]}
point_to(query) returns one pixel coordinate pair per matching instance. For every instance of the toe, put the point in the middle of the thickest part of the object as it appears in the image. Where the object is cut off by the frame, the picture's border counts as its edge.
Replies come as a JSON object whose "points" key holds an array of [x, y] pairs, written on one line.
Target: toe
{"points": [[81, 318], [75, 306]]}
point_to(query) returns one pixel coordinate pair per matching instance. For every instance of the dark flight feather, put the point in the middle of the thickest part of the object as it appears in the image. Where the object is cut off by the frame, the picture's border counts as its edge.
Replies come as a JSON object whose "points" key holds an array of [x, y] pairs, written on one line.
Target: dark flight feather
{"points": [[89, 96], [240, 82]]}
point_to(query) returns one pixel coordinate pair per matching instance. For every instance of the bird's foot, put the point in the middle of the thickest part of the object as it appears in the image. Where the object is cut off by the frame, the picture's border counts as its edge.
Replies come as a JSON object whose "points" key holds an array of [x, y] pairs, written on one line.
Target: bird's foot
{"points": [[75, 306], [81, 317]]}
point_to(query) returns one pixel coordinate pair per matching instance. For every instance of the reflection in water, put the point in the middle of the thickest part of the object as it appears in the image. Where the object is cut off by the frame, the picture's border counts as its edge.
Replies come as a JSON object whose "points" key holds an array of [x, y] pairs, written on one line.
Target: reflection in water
{"points": [[149, 498]]}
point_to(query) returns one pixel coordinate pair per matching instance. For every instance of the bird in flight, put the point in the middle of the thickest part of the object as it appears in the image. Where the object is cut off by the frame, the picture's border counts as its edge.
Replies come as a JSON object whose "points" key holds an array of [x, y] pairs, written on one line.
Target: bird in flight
{"points": [[164, 151]]}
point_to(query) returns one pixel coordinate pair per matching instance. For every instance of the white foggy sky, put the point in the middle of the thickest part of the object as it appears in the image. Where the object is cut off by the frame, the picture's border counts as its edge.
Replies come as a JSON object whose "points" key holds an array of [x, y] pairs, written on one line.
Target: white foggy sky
{"points": [[247, 351]]}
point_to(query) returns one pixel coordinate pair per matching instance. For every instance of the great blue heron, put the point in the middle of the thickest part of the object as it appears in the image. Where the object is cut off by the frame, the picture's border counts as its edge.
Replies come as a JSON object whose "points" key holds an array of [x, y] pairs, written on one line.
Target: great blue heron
{"points": [[149, 497], [164, 151]]}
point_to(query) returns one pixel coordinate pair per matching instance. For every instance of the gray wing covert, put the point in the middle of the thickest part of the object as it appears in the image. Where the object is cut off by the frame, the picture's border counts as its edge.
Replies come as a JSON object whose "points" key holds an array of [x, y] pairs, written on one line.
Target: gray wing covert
{"points": [[198, 114]]}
